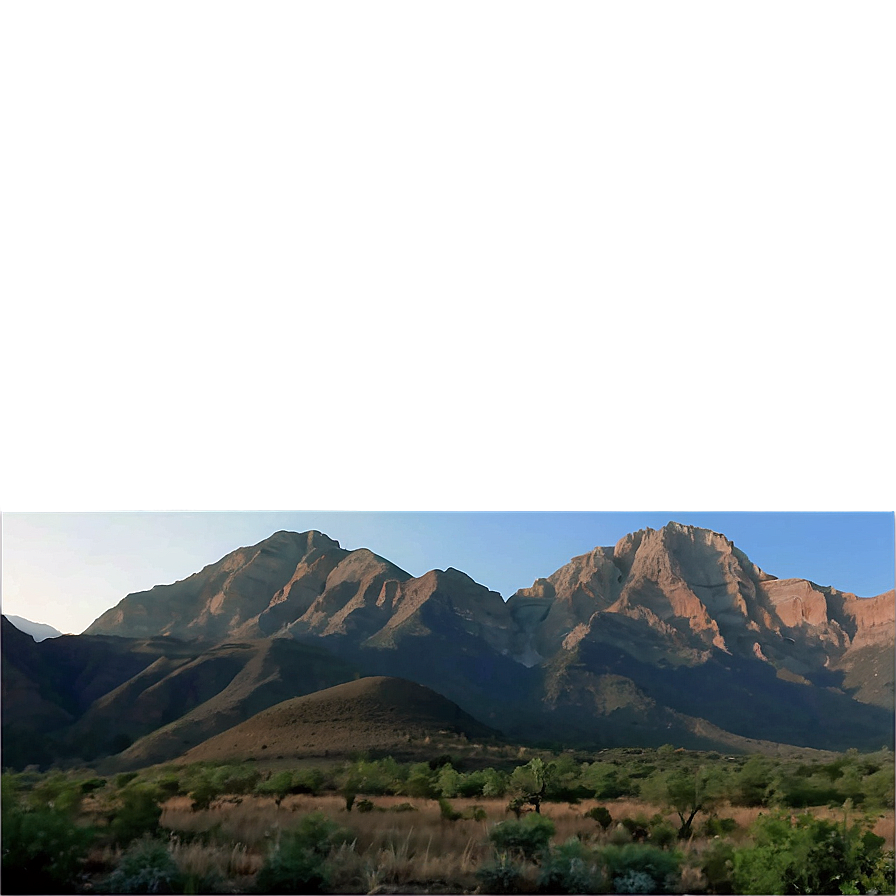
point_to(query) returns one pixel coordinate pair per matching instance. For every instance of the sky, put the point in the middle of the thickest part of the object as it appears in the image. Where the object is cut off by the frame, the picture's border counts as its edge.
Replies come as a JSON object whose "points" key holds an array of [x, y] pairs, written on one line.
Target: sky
{"points": [[487, 256], [65, 569]]}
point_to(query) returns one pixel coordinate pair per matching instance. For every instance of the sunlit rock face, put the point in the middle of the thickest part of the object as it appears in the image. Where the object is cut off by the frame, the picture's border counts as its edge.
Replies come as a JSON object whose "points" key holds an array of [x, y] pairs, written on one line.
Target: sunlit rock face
{"points": [[229, 598], [697, 591]]}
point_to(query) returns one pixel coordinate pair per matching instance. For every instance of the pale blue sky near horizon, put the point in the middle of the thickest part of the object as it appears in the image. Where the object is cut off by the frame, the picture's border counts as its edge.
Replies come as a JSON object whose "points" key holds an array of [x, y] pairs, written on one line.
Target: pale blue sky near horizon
{"points": [[65, 569]]}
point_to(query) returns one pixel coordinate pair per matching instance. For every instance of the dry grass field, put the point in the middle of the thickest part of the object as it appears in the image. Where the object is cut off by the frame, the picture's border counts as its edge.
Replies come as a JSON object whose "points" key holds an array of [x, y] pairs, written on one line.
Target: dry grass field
{"points": [[394, 849]]}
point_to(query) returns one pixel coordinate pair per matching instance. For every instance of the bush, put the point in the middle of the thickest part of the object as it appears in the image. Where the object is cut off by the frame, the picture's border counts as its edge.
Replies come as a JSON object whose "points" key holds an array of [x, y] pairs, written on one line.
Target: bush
{"points": [[447, 811], [630, 866], [717, 865], [292, 868], [124, 779], [320, 833], [571, 868], [527, 837], [501, 876], [662, 834], [202, 795], [146, 867], [138, 814], [635, 882], [92, 784], [43, 851], [601, 815], [296, 865], [810, 855], [364, 806], [637, 826], [717, 827]]}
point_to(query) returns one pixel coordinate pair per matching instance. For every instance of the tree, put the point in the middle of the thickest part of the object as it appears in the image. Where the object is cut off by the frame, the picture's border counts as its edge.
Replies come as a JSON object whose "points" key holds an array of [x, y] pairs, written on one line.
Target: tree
{"points": [[753, 782], [529, 782], [687, 792]]}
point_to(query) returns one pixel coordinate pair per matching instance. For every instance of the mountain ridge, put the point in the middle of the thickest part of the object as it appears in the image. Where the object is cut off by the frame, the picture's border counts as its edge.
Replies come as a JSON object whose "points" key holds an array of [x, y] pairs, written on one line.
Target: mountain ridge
{"points": [[672, 634]]}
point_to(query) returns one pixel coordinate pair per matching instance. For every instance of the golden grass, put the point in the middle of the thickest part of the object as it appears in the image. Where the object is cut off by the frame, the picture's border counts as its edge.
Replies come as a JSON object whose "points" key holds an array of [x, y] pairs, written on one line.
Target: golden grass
{"points": [[413, 851]]}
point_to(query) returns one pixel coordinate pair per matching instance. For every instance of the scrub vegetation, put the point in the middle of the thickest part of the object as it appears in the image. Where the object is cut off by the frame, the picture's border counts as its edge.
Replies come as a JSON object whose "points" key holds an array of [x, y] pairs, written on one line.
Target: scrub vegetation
{"points": [[618, 821]]}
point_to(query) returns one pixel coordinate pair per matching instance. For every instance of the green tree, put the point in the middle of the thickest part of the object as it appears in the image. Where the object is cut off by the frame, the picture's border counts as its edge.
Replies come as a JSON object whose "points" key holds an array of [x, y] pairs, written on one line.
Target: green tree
{"points": [[687, 792], [447, 780], [420, 782], [277, 786], [753, 782], [529, 782], [606, 781]]}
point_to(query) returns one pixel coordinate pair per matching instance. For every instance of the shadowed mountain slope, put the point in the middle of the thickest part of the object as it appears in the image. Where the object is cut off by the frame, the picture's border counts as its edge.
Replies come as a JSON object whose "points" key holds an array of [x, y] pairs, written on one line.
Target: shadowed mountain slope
{"points": [[371, 713], [219, 689], [49, 685]]}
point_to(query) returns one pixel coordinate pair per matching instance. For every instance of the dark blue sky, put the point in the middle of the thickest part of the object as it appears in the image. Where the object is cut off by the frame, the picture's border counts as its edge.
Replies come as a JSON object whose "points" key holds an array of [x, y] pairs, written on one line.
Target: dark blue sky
{"points": [[448, 255]]}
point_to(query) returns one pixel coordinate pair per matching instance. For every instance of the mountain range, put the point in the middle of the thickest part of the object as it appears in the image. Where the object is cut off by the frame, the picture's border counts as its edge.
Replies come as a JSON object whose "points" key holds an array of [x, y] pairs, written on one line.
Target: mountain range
{"points": [[670, 636], [40, 631]]}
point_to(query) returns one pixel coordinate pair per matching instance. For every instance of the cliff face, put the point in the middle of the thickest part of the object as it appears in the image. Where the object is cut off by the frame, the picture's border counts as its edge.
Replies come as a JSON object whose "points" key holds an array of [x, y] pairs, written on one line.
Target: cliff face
{"points": [[696, 593]]}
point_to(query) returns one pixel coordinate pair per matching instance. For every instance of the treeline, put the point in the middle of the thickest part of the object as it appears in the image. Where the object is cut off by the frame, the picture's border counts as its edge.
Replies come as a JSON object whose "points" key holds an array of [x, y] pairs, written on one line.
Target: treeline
{"points": [[658, 776]]}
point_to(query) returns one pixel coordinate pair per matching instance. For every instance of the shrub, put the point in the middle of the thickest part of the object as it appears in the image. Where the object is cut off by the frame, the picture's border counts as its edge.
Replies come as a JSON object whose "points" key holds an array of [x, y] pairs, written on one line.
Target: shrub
{"points": [[620, 835], [662, 834], [319, 833], [296, 864], [809, 855], [601, 815], [500, 876], [292, 869], [124, 779], [447, 811], [92, 784], [203, 794], [637, 826], [477, 813], [717, 827], [56, 792], [43, 851], [138, 814], [364, 806], [634, 882], [570, 868], [629, 866], [717, 865], [403, 807], [527, 837], [146, 867]]}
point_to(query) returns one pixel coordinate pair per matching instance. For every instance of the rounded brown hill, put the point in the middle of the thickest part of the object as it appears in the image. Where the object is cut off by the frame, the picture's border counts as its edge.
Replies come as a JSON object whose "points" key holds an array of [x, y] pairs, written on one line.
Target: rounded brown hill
{"points": [[370, 713]]}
